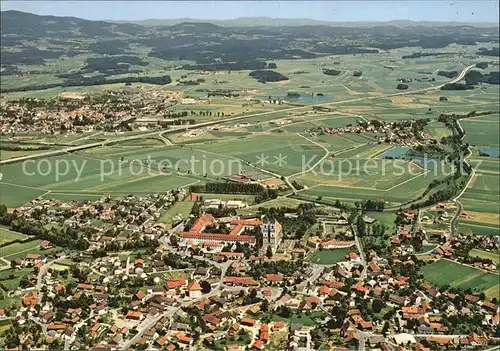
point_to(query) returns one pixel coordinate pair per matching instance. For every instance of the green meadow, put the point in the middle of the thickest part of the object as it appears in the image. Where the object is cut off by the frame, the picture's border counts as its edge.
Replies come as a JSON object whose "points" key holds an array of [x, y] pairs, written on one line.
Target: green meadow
{"points": [[7, 236], [482, 131], [278, 152], [80, 174], [328, 257], [448, 273]]}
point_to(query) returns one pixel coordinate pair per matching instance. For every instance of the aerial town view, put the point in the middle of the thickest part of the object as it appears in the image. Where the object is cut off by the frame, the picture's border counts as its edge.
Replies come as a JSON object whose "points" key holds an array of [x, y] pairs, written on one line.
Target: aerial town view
{"points": [[250, 175]]}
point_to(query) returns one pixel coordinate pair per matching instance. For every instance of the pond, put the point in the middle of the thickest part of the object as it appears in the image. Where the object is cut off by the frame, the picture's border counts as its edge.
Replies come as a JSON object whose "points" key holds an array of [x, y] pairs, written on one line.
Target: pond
{"points": [[490, 151], [397, 151], [401, 152], [312, 99]]}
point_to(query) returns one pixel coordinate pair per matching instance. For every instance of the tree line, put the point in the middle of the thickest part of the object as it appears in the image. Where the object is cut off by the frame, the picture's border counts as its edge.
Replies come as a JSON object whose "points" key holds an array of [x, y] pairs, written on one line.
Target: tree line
{"points": [[79, 80], [264, 76], [262, 193]]}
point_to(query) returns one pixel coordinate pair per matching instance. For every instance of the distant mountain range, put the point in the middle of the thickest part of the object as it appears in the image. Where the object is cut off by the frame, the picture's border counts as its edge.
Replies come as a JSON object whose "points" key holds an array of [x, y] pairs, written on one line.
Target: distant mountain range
{"points": [[294, 22], [117, 48]]}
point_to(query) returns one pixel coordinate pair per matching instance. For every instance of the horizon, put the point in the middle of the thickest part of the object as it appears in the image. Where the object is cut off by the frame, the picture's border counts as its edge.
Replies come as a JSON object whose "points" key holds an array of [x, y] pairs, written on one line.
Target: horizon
{"points": [[484, 11]]}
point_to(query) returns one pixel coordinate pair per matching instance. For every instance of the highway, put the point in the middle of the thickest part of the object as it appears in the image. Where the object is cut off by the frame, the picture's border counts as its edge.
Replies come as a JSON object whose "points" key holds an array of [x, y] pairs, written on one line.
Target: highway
{"points": [[221, 121]]}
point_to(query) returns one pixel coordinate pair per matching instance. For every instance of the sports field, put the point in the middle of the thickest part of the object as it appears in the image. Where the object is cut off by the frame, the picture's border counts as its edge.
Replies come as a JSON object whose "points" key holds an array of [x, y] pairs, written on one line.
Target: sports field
{"points": [[448, 273], [386, 218]]}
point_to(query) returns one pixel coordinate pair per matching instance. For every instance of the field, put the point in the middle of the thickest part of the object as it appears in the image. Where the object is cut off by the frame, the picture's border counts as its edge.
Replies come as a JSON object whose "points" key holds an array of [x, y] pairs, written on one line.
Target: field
{"points": [[350, 178], [329, 257], [468, 227], [182, 208], [281, 202], [8, 236], [10, 278], [277, 152], [386, 218], [188, 159], [81, 175], [20, 250], [270, 150], [444, 272], [482, 131], [300, 318], [485, 254], [481, 200], [438, 130], [483, 194]]}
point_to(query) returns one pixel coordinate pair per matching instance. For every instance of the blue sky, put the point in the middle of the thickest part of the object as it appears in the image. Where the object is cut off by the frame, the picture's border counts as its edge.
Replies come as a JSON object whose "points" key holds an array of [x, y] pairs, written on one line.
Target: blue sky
{"points": [[339, 11]]}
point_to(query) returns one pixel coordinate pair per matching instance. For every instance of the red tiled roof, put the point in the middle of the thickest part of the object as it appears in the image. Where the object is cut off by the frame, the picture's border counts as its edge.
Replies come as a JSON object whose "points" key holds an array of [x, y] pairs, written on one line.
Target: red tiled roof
{"points": [[258, 344], [202, 222], [352, 255], [248, 321], [173, 284], [240, 280], [85, 286], [219, 237], [409, 309], [134, 314], [32, 256], [248, 222], [274, 277], [324, 290], [194, 286], [182, 337], [235, 254], [332, 283]]}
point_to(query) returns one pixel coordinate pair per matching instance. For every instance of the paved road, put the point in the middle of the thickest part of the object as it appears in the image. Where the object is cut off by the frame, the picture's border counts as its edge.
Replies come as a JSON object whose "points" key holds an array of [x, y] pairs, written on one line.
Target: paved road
{"points": [[327, 153], [317, 270], [41, 272], [221, 121], [222, 266], [149, 322], [359, 246]]}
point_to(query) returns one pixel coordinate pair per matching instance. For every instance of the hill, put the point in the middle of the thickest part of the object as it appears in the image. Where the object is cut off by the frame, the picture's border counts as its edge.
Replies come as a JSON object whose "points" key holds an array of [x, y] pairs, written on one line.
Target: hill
{"points": [[124, 49], [295, 22]]}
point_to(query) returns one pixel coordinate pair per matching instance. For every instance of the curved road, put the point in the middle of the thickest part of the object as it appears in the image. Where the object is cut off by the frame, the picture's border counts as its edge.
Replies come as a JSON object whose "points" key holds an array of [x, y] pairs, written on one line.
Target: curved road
{"points": [[453, 222]]}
